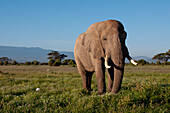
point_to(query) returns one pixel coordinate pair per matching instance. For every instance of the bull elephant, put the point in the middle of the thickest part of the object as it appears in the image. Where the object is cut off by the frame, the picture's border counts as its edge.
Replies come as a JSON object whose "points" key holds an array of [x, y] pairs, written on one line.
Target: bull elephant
{"points": [[102, 45]]}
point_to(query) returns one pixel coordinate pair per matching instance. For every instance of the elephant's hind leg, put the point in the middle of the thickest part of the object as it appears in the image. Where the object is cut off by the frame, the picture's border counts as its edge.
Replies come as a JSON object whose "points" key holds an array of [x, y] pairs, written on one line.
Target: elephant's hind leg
{"points": [[88, 80], [86, 76]]}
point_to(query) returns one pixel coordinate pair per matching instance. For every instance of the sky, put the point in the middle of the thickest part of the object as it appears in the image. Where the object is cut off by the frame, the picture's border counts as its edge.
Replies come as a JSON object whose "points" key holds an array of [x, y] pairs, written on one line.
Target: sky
{"points": [[55, 24]]}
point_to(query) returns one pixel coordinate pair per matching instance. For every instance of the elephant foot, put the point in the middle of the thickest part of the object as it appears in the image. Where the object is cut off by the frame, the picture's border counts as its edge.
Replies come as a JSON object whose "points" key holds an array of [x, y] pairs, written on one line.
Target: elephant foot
{"points": [[101, 92], [90, 89], [114, 93], [109, 90]]}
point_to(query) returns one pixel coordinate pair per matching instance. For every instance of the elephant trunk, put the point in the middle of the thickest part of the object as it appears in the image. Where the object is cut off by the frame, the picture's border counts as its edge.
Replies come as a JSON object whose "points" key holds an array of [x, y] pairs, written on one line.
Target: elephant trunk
{"points": [[118, 62], [118, 76]]}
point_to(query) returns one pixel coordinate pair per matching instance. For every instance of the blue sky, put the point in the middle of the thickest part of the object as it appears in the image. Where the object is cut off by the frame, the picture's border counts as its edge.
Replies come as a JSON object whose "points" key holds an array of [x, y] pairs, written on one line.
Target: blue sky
{"points": [[55, 24]]}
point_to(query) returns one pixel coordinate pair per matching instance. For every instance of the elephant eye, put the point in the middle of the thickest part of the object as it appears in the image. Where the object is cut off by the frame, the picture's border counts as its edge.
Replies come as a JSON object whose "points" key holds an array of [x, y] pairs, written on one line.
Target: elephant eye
{"points": [[104, 38]]}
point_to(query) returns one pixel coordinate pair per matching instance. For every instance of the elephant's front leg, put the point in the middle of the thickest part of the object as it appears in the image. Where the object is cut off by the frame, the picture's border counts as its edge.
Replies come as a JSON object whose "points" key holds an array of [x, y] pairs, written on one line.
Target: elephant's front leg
{"points": [[110, 79], [100, 75]]}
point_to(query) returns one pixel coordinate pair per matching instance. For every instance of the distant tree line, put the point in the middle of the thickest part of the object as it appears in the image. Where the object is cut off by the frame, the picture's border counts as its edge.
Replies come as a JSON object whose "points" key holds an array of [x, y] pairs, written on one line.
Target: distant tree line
{"points": [[142, 62], [35, 62], [162, 59], [55, 59]]}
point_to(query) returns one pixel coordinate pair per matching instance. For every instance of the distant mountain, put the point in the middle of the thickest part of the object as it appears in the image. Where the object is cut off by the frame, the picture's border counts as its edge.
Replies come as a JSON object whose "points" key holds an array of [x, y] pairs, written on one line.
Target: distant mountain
{"points": [[23, 54]]}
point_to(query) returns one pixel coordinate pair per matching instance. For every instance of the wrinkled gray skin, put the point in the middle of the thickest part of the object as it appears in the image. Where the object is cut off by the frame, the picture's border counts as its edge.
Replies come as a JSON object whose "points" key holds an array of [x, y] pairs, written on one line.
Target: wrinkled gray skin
{"points": [[102, 39]]}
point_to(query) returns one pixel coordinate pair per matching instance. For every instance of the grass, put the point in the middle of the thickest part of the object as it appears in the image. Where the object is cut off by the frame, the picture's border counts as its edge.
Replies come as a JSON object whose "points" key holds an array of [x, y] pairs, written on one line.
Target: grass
{"points": [[144, 89]]}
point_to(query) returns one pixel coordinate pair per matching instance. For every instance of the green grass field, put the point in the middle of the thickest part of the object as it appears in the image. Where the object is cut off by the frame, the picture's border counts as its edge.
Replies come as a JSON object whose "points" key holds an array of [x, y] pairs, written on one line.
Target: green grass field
{"points": [[144, 89]]}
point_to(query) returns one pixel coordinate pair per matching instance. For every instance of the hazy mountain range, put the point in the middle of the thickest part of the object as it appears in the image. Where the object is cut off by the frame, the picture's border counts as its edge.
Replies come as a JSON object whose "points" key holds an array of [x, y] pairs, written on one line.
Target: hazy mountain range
{"points": [[23, 54]]}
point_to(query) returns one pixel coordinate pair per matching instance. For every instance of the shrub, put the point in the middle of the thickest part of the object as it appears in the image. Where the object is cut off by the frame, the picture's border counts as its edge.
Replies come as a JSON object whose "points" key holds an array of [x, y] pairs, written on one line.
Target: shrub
{"points": [[21, 63], [57, 62], [6, 62], [35, 62], [168, 63], [1, 63], [141, 62], [71, 62], [65, 62], [14, 62], [165, 63], [51, 61], [44, 63], [152, 63], [158, 63], [147, 63], [28, 63]]}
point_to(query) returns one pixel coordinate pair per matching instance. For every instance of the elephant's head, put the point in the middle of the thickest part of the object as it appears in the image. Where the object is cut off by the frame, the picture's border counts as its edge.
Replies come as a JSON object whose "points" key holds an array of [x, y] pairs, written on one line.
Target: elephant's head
{"points": [[106, 40], [113, 41]]}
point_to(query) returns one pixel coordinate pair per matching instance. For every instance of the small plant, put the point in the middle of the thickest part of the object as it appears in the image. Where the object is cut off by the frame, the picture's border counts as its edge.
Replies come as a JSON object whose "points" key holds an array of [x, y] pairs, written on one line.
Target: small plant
{"points": [[1, 63], [65, 62], [57, 62], [152, 63], [35, 62], [71, 62], [141, 62], [28, 63], [21, 63], [51, 61], [6, 62], [44, 63], [158, 63], [165, 63], [14, 62]]}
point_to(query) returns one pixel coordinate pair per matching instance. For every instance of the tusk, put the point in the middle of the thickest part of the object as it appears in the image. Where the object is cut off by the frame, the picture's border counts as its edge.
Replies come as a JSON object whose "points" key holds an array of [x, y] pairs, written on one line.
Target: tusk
{"points": [[106, 62], [133, 62]]}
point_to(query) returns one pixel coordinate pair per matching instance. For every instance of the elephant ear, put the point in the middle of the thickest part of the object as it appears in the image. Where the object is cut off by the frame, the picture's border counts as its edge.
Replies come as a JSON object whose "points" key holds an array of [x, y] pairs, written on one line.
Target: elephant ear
{"points": [[92, 44]]}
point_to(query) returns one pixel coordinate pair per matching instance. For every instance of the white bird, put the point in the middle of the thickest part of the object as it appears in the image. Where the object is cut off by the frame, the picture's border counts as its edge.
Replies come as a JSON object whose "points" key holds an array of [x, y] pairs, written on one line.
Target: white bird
{"points": [[37, 89]]}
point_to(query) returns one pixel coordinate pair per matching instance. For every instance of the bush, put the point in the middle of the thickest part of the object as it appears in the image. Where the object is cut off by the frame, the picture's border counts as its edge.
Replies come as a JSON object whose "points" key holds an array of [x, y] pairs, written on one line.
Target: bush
{"points": [[6, 62], [71, 62], [147, 63], [141, 62], [21, 63], [51, 61], [152, 63], [28, 63], [14, 62], [65, 62], [35, 62], [1, 63], [158, 63], [57, 62], [44, 63], [168, 63]]}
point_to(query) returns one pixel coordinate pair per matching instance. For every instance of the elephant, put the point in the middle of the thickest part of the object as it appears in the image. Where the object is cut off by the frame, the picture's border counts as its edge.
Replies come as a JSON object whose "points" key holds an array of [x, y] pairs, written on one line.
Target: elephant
{"points": [[100, 47]]}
